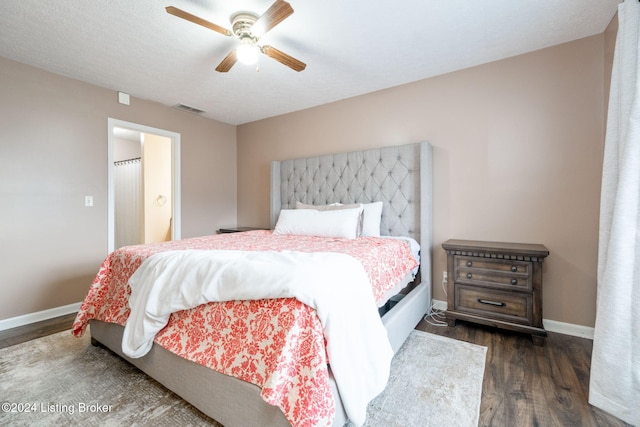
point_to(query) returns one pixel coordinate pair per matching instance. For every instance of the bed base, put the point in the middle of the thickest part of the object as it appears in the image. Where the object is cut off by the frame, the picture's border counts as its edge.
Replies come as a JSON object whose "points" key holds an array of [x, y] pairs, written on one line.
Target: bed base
{"points": [[226, 399], [233, 402]]}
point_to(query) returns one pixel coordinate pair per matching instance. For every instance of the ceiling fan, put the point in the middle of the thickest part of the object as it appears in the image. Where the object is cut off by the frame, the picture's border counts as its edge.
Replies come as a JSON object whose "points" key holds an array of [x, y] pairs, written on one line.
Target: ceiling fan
{"points": [[248, 28]]}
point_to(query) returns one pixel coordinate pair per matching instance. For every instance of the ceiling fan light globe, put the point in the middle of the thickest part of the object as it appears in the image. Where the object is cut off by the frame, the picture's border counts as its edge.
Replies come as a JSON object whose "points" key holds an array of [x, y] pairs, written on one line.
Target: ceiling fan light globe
{"points": [[247, 53]]}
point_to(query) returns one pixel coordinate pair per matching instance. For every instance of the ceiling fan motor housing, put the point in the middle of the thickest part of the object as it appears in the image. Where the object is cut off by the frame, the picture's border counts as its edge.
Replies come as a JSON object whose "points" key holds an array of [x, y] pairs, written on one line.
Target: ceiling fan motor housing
{"points": [[242, 24]]}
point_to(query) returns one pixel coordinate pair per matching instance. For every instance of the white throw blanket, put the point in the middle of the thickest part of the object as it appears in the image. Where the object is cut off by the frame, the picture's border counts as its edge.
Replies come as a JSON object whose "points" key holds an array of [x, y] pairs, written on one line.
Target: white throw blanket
{"points": [[335, 285]]}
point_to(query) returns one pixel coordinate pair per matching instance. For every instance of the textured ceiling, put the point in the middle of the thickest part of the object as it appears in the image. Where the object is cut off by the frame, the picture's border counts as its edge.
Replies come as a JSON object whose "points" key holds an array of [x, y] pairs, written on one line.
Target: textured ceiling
{"points": [[351, 47]]}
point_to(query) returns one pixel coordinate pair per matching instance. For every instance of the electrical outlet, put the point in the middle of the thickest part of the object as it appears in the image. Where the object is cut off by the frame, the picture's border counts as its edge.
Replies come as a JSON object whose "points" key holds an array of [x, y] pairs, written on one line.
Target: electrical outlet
{"points": [[444, 277], [88, 201]]}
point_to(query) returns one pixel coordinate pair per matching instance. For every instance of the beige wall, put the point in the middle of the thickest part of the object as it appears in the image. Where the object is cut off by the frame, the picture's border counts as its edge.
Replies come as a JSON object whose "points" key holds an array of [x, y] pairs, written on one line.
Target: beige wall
{"points": [[53, 152], [517, 157], [517, 145]]}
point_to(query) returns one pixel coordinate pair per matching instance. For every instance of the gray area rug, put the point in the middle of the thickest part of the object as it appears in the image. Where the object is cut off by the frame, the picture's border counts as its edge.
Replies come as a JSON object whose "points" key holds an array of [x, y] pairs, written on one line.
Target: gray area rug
{"points": [[435, 381], [61, 380]]}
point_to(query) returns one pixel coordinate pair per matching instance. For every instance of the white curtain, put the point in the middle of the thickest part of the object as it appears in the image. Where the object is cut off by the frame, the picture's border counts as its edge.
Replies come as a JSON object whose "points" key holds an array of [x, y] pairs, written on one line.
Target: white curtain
{"points": [[615, 363], [128, 202]]}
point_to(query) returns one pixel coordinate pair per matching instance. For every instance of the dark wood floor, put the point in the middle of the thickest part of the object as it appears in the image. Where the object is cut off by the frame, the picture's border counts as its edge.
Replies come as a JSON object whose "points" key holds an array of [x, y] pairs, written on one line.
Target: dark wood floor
{"points": [[524, 385], [527, 385], [32, 331]]}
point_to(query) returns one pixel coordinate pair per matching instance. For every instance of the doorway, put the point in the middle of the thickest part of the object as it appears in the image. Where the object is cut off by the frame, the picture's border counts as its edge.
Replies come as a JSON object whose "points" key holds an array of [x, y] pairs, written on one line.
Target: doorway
{"points": [[144, 184]]}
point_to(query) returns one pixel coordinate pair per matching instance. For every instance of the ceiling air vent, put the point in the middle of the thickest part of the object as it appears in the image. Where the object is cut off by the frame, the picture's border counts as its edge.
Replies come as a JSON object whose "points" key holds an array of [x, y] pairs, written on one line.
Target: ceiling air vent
{"points": [[189, 109]]}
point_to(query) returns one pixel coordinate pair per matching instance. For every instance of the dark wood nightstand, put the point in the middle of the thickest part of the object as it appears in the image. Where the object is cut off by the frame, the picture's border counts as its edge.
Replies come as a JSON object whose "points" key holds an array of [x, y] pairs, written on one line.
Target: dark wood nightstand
{"points": [[496, 284], [238, 229]]}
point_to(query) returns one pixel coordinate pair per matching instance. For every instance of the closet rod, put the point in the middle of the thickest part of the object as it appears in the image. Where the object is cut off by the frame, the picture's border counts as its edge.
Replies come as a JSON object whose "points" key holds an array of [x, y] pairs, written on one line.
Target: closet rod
{"points": [[119, 162]]}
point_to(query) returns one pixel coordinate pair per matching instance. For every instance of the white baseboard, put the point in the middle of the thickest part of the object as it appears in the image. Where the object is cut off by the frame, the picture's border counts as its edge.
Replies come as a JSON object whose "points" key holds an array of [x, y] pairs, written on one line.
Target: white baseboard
{"points": [[568, 328], [439, 305], [25, 319], [549, 325]]}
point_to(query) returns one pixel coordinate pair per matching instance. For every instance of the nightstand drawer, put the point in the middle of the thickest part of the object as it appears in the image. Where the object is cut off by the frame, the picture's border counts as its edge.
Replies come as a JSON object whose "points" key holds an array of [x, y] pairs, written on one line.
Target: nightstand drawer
{"points": [[519, 267], [509, 306], [506, 274]]}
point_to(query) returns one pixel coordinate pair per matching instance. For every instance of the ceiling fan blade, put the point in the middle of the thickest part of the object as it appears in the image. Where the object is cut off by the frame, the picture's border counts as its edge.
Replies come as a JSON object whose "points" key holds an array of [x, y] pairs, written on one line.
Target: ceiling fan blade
{"points": [[283, 58], [277, 12], [196, 20], [227, 62]]}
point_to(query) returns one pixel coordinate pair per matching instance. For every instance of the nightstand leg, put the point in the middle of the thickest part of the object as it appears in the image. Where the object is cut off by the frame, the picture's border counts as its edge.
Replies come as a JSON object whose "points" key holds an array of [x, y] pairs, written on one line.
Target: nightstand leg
{"points": [[537, 340], [451, 322]]}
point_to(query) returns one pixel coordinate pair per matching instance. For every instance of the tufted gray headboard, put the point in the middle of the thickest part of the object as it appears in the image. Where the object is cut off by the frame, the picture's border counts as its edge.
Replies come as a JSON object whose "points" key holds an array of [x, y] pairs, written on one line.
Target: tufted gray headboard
{"points": [[399, 176]]}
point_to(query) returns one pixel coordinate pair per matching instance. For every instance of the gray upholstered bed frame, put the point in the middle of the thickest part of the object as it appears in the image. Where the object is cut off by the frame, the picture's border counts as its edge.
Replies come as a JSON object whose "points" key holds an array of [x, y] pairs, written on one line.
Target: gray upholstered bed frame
{"points": [[400, 177]]}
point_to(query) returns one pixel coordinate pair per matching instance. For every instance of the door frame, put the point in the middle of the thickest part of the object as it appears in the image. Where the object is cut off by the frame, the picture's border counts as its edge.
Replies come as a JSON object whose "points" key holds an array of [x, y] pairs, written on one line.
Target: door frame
{"points": [[175, 172]]}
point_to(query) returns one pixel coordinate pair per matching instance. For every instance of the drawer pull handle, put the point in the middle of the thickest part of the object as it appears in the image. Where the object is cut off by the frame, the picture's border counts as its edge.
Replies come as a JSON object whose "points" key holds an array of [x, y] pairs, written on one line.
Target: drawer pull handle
{"points": [[468, 275], [514, 268], [469, 263], [486, 301], [514, 281]]}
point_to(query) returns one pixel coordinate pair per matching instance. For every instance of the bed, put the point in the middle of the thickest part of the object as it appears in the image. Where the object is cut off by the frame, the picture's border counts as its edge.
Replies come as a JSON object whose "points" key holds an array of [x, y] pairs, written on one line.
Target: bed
{"points": [[398, 176]]}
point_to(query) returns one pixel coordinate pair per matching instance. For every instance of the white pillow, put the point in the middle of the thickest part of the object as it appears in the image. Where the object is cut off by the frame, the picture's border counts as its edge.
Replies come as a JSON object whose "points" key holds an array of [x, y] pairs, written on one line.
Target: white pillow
{"points": [[310, 222], [371, 219], [335, 207]]}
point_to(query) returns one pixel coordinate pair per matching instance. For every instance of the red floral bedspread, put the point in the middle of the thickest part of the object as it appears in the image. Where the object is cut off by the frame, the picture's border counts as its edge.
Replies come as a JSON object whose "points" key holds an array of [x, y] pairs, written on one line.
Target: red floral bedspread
{"points": [[276, 344]]}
